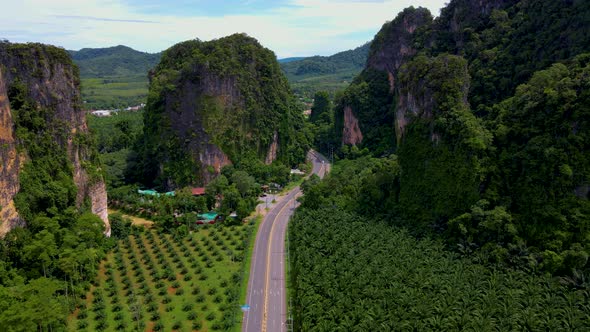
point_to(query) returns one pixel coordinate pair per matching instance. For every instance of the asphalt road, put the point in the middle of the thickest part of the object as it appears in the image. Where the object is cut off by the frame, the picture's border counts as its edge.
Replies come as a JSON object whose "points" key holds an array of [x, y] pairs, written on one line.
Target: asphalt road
{"points": [[266, 295]]}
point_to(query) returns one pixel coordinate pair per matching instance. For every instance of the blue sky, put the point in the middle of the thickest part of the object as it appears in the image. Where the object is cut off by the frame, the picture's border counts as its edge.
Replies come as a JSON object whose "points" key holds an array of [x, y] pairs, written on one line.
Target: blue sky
{"points": [[206, 7], [288, 27]]}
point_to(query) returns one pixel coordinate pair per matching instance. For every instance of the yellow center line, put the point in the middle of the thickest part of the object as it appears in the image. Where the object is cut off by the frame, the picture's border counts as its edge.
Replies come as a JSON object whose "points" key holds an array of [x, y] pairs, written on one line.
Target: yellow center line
{"points": [[268, 255]]}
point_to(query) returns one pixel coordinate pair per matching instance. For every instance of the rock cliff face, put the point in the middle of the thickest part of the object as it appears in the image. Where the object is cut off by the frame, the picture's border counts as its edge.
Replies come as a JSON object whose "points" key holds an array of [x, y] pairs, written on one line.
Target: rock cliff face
{"points": [[394, 44], [352, 134], [273, 149], [43, 85], [181, 107], [212, 104], [10, 165], [428, 87], [487, 113], [413, 102]]}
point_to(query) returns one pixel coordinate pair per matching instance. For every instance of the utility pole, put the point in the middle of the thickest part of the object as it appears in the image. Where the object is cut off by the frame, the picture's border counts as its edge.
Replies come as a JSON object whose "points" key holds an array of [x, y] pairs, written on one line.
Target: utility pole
{"points": [[331, 154]]}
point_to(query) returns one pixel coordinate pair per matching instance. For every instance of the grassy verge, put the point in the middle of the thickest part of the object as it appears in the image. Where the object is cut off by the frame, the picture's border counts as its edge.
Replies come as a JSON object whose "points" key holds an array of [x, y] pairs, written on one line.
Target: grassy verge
{"points": [[289, 186], [248, 260]]}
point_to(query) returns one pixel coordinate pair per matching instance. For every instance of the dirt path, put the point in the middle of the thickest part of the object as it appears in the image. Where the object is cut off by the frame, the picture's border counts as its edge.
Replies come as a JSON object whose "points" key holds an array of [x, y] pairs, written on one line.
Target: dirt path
{"points": [[137, 221]]}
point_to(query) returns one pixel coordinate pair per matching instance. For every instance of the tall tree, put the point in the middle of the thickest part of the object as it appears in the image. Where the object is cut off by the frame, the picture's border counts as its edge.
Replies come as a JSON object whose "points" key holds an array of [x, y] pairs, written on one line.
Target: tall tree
{"points": [[322, 106]]}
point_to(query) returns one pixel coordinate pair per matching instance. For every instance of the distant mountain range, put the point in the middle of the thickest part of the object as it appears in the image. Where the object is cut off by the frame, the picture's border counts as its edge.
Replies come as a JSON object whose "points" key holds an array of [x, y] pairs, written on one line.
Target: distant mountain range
{"points": [[330, 73], [320, 65], [116, 76], [287, 60], [113, 61]]}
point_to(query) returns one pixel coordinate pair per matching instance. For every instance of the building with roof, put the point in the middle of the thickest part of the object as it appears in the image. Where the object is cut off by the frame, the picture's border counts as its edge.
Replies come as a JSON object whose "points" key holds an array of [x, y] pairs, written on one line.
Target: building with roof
{"points": [[200, 191], [151, 192], [101, 113]]}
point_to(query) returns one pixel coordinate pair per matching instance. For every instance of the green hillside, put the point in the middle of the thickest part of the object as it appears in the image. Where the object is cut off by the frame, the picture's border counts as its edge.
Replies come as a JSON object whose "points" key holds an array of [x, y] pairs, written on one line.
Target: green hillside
{"points": [[286, 60], [113, 77], [113, 61], [330, 73]]}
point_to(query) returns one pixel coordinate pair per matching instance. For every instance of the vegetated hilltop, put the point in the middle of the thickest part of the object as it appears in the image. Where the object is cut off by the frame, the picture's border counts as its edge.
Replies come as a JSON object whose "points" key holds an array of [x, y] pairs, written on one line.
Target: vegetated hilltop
{"points": [[486, 110], [114, 77], [216, 103], [48, 160], [311, 74], [113, 61]]}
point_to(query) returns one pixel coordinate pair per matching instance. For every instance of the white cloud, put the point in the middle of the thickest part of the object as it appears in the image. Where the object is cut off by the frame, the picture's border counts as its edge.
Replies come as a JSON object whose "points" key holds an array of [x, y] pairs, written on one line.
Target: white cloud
{"points": [[305, 27]]}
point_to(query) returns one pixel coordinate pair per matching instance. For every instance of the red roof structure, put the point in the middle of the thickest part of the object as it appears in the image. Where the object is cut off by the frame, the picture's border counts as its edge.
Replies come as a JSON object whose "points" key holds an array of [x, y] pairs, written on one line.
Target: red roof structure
{"points": [[198, 191]]}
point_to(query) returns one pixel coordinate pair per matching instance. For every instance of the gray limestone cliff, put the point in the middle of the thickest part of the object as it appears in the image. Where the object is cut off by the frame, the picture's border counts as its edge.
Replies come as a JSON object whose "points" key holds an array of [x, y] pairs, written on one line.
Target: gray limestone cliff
{"points": [[212, 104], [9, 166], [39, 94], [366, 114]]}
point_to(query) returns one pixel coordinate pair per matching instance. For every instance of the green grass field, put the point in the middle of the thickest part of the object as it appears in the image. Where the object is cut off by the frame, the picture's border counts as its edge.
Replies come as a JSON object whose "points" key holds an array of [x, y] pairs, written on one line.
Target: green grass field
{"points": [[307, 85], [153, 282], [114, 92]]}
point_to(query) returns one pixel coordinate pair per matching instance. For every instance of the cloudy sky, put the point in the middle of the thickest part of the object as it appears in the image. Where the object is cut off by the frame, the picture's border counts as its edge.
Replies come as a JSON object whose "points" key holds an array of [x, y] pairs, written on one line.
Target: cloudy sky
{"points": [[288, 27]]}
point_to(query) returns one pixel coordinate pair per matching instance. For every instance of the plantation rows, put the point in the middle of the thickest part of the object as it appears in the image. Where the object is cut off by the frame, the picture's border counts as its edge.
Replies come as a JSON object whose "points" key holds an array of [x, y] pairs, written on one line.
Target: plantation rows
{"points": [[350, 274], [157, 282]]}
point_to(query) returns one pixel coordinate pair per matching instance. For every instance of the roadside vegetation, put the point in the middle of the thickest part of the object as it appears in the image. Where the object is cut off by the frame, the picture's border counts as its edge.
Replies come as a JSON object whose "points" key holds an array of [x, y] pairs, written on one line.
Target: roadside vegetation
{"points": [[352, 270]]}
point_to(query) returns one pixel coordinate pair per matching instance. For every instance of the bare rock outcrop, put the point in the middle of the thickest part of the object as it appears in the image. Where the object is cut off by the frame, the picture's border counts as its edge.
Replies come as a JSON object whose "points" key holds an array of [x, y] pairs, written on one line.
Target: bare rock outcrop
{"points": [[272, 149], [9, 166], [394, 44], [351, 134]]}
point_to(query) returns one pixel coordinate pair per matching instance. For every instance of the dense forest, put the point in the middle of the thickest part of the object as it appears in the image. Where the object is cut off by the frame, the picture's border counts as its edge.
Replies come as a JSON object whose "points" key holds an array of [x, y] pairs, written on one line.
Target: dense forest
{"points": [[477, 122], [115, 136], [502, 170], [354, 270]]}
